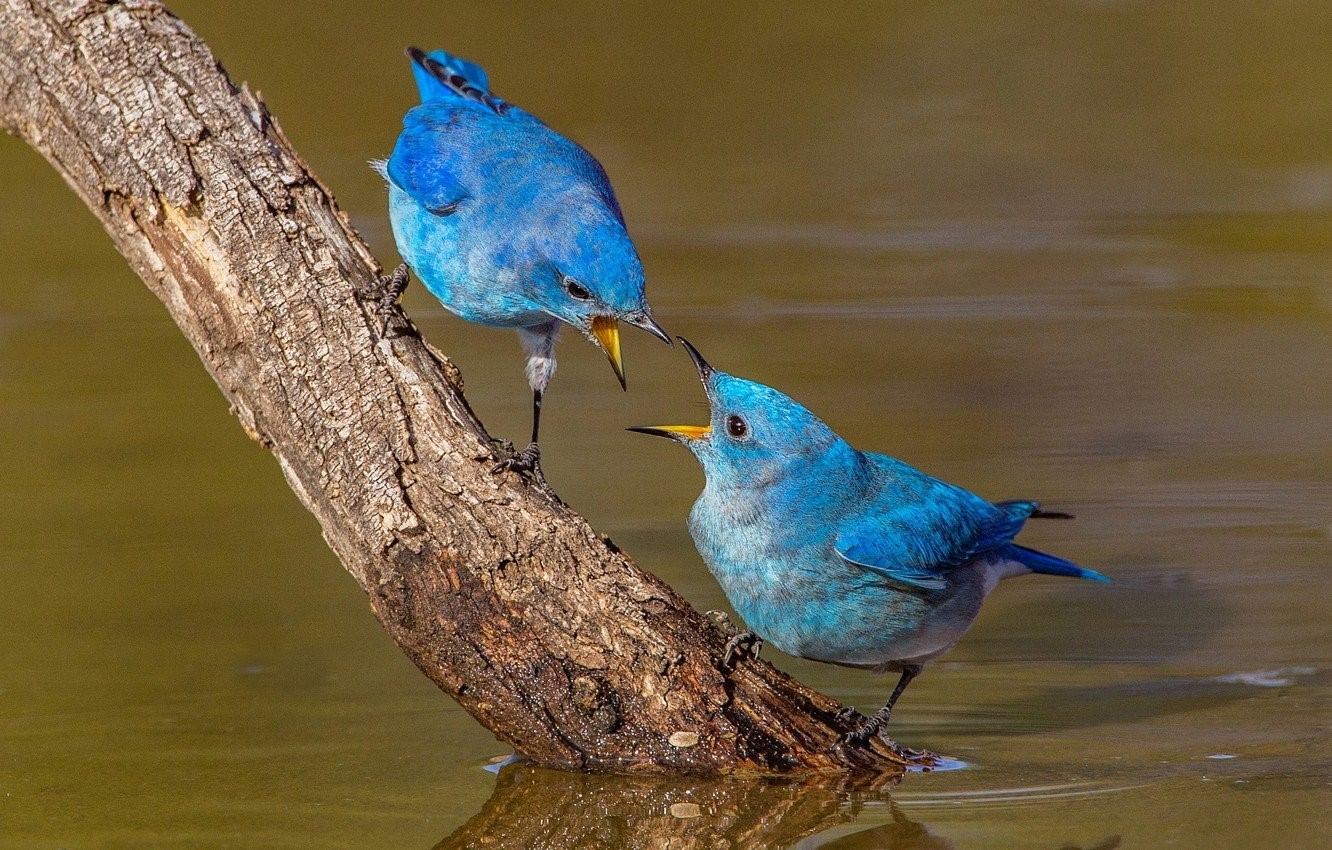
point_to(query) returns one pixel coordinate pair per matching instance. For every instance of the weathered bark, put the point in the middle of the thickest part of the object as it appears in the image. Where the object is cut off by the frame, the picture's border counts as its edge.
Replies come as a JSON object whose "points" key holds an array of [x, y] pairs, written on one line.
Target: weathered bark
{"points": [[546, 633]]}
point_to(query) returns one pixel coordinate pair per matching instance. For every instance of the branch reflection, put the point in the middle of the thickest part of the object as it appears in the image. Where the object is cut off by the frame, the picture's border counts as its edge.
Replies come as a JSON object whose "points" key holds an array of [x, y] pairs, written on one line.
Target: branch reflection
{"points": [[536, 809]]}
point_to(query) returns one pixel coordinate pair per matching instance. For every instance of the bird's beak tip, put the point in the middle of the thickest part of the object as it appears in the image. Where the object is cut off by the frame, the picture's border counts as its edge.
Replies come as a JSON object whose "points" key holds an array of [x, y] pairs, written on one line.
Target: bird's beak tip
{"points": [[606, 331], [643, 319], [705, 369], [680, 433]]}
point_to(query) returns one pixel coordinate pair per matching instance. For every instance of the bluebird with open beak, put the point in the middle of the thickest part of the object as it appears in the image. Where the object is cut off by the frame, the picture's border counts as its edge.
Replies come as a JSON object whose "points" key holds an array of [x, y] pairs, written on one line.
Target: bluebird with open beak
{"points": [[839, 555]]}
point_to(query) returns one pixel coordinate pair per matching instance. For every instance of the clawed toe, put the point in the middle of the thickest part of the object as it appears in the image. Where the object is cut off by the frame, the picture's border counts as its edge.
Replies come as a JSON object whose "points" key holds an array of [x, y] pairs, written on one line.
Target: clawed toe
{"points": [[927, 757], [847, 714], [876, 727], [526, 462], [385, 294], [861, 735], [865, 728], [743, 645]]}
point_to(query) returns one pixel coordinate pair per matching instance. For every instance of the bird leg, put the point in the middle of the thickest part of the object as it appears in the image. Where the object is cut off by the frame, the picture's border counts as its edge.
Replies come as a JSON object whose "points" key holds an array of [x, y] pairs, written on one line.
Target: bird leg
{"points": [[742, 644], [529, 459], [385, 294], [876, 723]]}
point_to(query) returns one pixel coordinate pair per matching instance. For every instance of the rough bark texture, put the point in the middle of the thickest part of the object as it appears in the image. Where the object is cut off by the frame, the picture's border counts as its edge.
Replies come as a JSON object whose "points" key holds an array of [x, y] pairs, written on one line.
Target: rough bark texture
{"points": [[544, 631]]}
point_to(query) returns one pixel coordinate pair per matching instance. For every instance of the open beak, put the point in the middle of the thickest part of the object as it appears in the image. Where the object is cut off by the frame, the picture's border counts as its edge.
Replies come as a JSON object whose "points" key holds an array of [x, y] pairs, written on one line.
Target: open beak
{"points": [[680, 433], [683, 433], [705, 369], [649, 324], [607, 333]]}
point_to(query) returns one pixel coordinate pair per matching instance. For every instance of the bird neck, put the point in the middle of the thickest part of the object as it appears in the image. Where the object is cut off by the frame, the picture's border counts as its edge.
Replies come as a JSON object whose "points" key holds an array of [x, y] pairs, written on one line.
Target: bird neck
{"points": [[817, 480]]}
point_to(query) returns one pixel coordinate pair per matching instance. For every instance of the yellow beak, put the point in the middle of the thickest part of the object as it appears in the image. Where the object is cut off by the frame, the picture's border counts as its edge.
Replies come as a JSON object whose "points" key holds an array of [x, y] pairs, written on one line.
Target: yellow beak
{"points": [[607, 332], [674, 432]]}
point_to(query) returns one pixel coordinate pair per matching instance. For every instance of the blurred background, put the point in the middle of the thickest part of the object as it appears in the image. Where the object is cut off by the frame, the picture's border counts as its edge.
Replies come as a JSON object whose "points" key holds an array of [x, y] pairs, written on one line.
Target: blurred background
{"points": [[1074, 251]]}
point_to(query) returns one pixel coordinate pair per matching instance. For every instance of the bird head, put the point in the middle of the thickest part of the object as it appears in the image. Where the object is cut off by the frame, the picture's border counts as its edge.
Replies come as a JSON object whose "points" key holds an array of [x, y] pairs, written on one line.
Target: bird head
{"points": [[756, 435], [592, 278]]}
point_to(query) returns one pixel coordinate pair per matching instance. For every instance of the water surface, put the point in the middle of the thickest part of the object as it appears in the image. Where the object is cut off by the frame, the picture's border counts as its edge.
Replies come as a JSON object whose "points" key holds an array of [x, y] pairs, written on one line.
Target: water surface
{"points": [[1073, 251]]}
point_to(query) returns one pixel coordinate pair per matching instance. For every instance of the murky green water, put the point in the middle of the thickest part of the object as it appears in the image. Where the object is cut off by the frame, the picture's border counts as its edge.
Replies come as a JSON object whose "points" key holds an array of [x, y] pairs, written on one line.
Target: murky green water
{"points": [[1074, 251]]}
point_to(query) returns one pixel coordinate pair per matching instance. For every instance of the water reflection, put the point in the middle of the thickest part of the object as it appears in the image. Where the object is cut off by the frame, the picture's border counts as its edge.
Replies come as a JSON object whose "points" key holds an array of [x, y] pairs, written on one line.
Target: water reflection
{"points": [[536, 808]]}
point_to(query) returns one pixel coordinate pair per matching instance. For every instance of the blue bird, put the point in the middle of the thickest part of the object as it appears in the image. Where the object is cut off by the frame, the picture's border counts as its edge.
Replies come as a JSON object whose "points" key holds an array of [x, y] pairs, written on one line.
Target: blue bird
{"points": [[509, 224], [839, 555]]}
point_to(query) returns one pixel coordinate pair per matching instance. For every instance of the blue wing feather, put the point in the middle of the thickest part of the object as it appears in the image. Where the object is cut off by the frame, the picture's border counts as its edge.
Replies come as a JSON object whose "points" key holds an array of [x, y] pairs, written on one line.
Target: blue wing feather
{"points": [[868, 553], [915, 541], [423, 165]]}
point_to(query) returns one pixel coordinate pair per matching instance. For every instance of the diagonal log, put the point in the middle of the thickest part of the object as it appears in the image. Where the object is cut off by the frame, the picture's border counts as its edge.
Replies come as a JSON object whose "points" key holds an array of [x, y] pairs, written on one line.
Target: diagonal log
{"points": [[545, 632]]}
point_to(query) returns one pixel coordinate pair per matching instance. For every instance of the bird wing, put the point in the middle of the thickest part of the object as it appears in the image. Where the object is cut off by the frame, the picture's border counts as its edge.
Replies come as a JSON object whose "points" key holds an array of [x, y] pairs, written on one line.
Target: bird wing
{"points": [[458, 121], [424, 164], [914, 543]]}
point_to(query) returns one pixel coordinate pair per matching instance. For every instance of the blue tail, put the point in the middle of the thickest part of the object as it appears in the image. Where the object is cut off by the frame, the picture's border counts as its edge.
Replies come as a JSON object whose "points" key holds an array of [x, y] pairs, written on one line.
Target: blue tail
{"points": [[443, 76], [1039, 562]]}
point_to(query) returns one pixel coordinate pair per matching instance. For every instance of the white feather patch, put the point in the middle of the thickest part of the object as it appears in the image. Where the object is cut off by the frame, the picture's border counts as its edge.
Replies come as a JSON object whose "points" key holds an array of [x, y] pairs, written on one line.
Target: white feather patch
{"points": [[539, 343]]}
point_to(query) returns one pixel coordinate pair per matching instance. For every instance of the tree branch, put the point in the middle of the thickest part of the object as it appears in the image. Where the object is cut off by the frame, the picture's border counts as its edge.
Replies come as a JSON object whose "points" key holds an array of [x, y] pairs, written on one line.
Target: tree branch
{"points": [[546, 633]]}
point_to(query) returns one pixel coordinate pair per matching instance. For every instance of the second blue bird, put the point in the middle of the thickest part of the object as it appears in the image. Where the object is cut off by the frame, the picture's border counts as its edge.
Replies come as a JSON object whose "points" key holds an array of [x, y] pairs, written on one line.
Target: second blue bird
{"points": [[509, 223], [839, 555]]}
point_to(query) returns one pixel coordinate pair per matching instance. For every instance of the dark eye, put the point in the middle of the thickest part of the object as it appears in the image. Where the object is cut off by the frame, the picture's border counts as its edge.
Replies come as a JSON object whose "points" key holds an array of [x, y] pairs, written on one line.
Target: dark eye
{"points": [[576, 290], [736, 427]]}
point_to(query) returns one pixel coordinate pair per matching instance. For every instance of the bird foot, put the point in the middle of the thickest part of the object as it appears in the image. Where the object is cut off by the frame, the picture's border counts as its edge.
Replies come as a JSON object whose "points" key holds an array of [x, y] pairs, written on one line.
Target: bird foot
{"points": [[525, 463], [848, 715], [868, 728], [927, 759], [384, 296], [741, 644], [875, 726]]}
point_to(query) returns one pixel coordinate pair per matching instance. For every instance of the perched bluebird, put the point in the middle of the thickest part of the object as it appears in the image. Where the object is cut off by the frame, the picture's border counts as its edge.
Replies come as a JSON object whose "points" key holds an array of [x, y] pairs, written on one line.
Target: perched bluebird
{"points": [[509, 224], [838, 555]]}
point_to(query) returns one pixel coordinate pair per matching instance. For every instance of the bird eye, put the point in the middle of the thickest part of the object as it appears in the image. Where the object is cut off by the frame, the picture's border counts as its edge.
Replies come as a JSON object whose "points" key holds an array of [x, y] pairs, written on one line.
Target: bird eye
{"points": [[736, 427], [576, 290]]}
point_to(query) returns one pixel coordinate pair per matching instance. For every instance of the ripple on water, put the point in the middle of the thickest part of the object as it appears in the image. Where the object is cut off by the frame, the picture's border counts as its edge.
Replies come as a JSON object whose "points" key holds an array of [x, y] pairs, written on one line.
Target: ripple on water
{"points": [[1017, 794], [942, 764]]}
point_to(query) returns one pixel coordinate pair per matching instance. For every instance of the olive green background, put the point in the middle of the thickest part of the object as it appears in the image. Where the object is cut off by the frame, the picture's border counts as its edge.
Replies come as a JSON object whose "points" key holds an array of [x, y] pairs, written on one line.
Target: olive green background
{"points": [[1074, 251]]}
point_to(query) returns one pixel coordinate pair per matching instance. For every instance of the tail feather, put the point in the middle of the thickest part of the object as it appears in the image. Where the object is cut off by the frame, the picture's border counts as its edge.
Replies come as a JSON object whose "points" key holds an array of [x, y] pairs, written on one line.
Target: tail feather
{"points": [[1040, 562], [443, 76], [1027, 509], [1040, 514]]}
